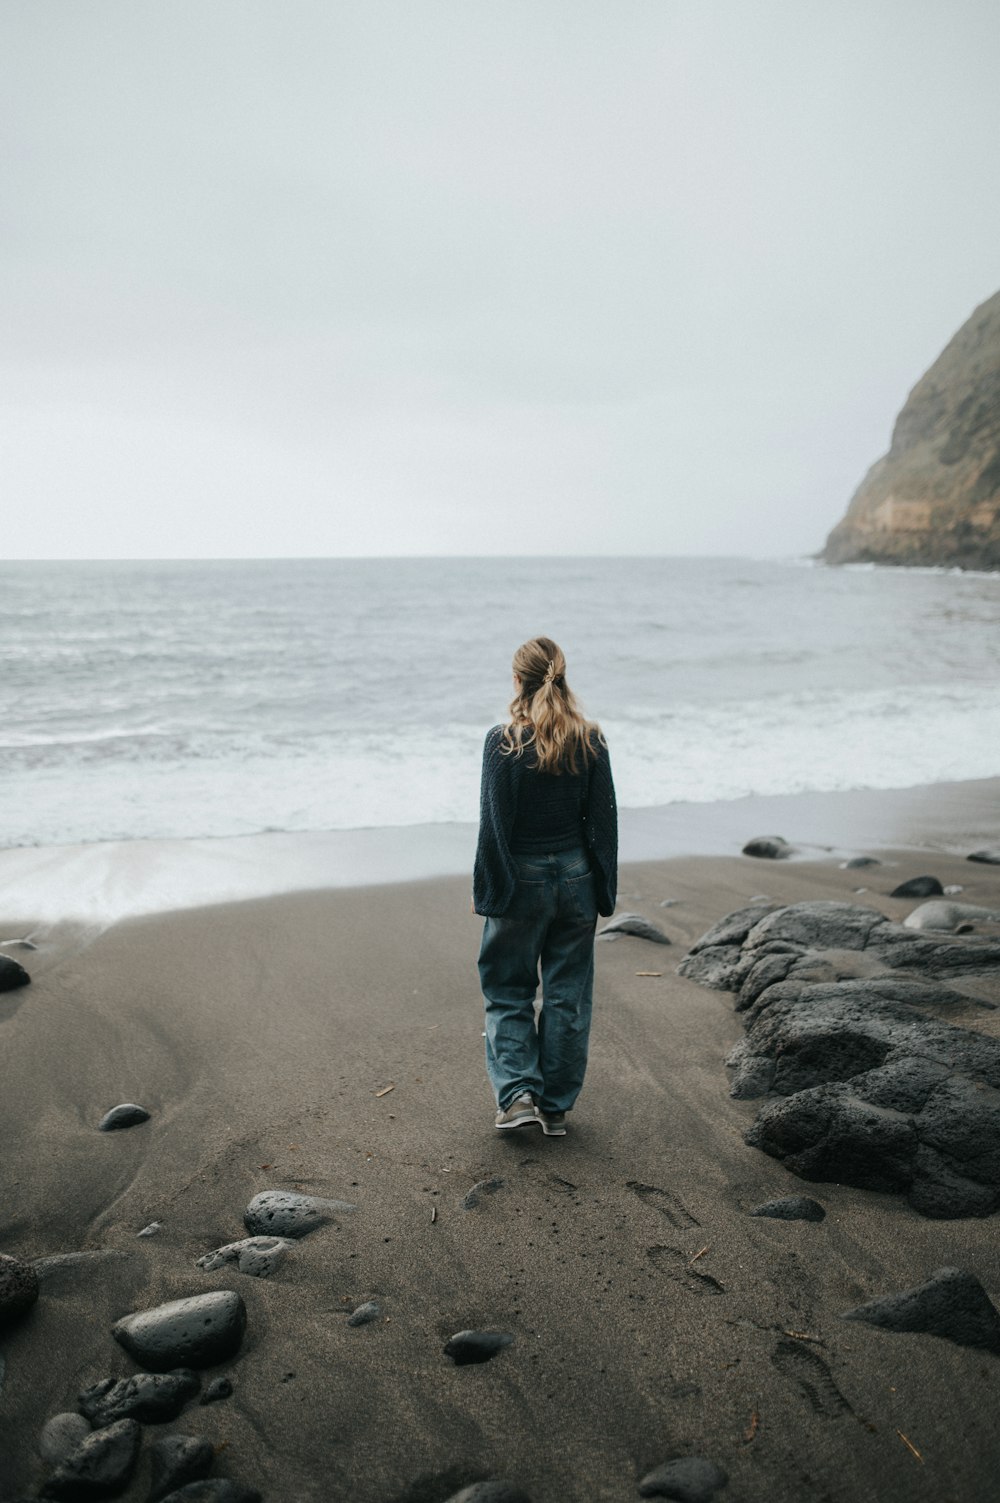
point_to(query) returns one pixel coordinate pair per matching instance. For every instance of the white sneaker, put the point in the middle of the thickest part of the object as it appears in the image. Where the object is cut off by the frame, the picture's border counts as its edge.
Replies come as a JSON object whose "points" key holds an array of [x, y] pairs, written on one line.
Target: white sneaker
{"points": [[518, 1114]]}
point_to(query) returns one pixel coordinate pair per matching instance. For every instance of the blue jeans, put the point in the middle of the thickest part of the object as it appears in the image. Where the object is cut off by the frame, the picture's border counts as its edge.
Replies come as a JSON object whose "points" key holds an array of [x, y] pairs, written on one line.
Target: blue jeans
{"points": [[549, 924]]}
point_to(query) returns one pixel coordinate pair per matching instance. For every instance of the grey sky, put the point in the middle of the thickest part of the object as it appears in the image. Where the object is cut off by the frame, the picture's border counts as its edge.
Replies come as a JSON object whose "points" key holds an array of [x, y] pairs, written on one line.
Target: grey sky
{"points": [[447, 276]]}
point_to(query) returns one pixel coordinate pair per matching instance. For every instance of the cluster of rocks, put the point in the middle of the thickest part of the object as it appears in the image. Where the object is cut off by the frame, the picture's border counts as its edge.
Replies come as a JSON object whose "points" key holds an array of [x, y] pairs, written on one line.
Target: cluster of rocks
{"points": [[867, 1083], [94, 1450]]}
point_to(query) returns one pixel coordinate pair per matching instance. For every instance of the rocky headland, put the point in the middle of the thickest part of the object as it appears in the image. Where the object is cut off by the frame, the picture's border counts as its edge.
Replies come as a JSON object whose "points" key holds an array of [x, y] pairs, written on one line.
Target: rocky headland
{"points": [[935, 497]]}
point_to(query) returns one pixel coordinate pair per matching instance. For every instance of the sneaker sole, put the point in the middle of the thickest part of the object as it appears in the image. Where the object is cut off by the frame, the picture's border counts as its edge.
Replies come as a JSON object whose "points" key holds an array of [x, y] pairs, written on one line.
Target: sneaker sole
{"points": [[519, 1122], [553, 1132]]}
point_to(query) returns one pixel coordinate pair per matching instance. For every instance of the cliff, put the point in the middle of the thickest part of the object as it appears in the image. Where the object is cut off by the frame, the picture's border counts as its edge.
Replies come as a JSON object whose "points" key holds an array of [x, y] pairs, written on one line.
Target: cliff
{"points": [[935, 497]]}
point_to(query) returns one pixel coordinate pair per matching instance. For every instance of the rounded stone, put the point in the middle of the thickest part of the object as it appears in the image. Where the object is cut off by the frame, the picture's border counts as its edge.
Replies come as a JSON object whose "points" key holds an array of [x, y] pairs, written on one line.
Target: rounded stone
{"points": [[12, 975], [18, 1287], [219, 1388], [364, 1314], [768, 848], [791, 1208], [176, 1460], [101, 1464], [918, 887], [127, 1114], [475, 1346], [213, 1490], [490, 1492], [688, 1479], [60, 1437], [285, 1213], [195, 1332]]}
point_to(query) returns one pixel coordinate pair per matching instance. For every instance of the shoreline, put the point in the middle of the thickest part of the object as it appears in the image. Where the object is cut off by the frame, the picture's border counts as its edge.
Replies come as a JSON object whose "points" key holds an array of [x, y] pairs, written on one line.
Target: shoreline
{"points": [[103, 882]]}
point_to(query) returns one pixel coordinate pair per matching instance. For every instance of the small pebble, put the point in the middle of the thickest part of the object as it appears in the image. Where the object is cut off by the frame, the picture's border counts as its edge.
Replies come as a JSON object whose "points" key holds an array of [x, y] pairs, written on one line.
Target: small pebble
{"points": [[151, 1230], [364, 1314], [791, 1208], [475, 1346], [127, 1114], [953, 889], [219, 1388]]}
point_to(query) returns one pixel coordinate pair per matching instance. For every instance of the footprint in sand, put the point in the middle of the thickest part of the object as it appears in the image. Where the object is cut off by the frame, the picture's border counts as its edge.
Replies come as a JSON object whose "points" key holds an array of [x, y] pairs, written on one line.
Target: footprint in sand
{"points": [[666, 1202], [812, 1377]]}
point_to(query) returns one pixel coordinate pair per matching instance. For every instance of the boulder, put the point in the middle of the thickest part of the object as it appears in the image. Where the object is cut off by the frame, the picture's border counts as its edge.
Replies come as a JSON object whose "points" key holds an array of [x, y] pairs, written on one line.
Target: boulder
{"points": [[987, 857]]}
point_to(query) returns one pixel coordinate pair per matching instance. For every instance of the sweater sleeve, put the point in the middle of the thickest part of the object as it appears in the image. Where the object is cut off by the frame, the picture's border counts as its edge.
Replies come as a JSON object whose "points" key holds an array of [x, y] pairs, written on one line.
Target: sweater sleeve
{"points": [[494, 876], [601, 828]]}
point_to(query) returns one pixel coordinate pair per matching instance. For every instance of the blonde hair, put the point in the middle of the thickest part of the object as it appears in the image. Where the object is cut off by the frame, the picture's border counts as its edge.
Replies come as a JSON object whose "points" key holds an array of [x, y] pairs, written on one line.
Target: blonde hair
{"points": [[544, 712]]}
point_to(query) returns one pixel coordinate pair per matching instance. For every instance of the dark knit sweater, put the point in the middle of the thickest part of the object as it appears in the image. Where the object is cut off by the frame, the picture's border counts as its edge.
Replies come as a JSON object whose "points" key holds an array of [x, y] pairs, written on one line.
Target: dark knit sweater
{"points": [[522, 810]]}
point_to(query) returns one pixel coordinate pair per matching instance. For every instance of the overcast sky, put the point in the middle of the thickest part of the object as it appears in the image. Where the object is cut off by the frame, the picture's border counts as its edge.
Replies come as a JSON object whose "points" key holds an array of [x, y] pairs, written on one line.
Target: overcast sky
{"points": [[303, 277]]}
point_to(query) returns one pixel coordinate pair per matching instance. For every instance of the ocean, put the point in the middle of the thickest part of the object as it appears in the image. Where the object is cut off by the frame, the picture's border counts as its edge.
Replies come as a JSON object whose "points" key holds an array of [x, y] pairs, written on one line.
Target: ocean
{"points": [[226, 698]]}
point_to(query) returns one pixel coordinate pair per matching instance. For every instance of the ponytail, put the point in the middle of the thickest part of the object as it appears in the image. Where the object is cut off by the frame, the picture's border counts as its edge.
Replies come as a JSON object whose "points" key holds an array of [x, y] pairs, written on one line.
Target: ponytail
{"points": [[544, 713]]}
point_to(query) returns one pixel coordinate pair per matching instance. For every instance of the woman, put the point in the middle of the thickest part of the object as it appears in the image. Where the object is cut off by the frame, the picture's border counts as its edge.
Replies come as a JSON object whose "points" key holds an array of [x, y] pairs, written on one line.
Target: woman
{"points": [[546, 866]]}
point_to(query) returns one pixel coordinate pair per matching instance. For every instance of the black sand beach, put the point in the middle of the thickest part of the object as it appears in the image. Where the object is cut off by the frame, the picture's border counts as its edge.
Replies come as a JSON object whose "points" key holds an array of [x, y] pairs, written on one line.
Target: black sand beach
{"points": [[329, 1042]]}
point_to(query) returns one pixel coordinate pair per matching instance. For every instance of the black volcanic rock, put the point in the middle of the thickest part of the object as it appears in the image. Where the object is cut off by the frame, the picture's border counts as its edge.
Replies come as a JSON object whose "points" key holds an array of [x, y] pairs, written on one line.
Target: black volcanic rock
{"points": [[213, 1490], [475, 1346], [152, 1398], [935, 497], [195, 1332], [952, 1304], [13, 975], [791, 1208], [768, 848], [285, 1213], [178, 1459], [636, 925], [868, 1084], [918, 887], [128, 1114], [688, 1479], [101, 1465]]}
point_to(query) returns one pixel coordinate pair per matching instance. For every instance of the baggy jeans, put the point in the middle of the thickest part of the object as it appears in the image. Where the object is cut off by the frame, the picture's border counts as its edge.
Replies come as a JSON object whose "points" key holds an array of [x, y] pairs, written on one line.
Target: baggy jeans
{"points": [[549, 925]]}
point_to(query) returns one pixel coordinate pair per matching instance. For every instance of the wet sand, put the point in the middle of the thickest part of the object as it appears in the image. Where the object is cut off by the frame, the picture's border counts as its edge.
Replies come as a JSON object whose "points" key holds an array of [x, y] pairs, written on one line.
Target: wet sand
{"points": [[651, 1316]]}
